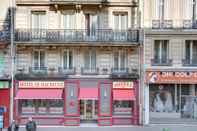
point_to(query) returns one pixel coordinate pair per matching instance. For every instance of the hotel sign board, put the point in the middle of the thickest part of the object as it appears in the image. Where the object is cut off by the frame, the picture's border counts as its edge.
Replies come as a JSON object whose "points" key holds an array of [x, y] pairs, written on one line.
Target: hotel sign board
{"points": [[167, 77], [41, 84], [122, 85]]}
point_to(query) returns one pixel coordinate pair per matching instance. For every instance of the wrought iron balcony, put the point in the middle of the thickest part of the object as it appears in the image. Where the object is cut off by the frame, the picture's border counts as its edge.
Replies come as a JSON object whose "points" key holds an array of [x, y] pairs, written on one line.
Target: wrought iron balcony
{"points": [[75, 35], [4, 35], [189, 24], [38, 70], [158, 24], [161, 62], [79, 1], [89, 71], [120, 71], [189, 62], [67, 71]]}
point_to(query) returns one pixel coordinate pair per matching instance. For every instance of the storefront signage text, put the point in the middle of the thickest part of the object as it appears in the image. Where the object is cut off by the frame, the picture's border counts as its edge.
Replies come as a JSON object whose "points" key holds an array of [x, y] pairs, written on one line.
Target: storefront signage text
{"points": [[171, 77], [41, 84], [122, 85]]}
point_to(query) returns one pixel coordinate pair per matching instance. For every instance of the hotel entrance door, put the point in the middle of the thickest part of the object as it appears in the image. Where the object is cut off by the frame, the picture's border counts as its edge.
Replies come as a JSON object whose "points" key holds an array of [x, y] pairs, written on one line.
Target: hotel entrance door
{"points": [[88, 110]]}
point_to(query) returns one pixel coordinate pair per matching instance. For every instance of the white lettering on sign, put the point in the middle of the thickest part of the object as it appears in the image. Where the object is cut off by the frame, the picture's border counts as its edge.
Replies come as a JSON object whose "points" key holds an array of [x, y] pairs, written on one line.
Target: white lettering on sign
{"points": [[122, 85], [41, 84]]}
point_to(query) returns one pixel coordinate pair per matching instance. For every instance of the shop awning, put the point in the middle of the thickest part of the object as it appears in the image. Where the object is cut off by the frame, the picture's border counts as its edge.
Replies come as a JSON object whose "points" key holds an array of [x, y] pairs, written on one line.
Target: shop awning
{"points": [[39, 94], [88, 93], [123, 95]]}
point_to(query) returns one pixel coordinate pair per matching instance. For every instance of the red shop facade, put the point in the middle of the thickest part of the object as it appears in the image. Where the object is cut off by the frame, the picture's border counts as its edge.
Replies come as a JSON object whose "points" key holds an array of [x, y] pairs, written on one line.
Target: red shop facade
{"points": [[76, 101]]}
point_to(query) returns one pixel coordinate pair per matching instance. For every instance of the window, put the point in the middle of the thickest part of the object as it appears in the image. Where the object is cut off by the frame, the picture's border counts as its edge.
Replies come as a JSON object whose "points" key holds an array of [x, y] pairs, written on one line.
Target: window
{"points": [[120, 59], [91, 24], [191, 51], [122, 107], [39, 59], [2, 64], [67, 59], [161, 51], [39, 19], [69, 21], [41, 106], [90, 59], [120, 20]]}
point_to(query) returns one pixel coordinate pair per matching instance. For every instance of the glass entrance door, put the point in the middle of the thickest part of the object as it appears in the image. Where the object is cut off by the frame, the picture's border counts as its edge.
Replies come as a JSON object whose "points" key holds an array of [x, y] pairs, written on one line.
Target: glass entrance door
{"points": [[88, 109]]}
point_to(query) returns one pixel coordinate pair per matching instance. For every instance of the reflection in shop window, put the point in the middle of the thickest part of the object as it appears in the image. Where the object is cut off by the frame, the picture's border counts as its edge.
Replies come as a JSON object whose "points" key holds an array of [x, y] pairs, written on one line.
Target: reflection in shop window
{"points": [[122, 107], [41, 106], [27, 106], [56, 106], [173, 101]]}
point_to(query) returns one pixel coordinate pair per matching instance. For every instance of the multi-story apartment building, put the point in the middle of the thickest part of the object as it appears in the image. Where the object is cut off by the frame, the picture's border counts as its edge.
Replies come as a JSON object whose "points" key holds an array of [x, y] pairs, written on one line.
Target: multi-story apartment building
{"points": [[77, 61], [170, 52], [5, 62]]}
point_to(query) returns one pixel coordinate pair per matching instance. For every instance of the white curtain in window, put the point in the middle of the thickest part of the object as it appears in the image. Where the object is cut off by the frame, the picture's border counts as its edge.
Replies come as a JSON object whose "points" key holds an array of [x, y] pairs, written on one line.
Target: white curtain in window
{"points": [[93, 24], [187, 9], [69, 21], [39, 20], [167, 10]]}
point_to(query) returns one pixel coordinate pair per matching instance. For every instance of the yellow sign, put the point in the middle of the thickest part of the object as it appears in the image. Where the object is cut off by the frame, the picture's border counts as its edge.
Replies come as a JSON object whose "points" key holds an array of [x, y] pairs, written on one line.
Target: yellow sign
{"points": [[41, 84], [122, 85]]}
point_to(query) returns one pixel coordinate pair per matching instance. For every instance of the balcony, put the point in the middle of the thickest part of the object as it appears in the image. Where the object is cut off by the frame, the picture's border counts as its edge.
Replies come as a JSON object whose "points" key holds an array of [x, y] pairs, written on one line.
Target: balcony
{"points": [[4, 36], [38, 70], [158, 24], [89, 71], [189, 62], [75, 35], [120, 71], [189, 24], [161, 62], [124, 73], [67, 71], [79, 1]]}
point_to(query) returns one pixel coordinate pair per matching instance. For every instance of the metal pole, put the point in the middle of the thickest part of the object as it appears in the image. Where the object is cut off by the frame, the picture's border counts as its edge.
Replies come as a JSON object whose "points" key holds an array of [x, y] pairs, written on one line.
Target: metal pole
{"points": [[12, 9]]}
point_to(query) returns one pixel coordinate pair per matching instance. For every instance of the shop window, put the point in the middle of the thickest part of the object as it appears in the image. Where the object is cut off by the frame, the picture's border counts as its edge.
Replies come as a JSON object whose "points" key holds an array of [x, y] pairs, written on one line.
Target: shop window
{"points": [[27, 107], [122, 107], [41, 107], [56, 106], [173, 101]]}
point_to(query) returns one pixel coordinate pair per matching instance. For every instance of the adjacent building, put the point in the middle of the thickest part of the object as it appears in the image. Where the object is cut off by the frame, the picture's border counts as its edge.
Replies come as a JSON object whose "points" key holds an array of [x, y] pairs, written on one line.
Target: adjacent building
{"points": [[5, 61], [170, 53], [77, 62]]}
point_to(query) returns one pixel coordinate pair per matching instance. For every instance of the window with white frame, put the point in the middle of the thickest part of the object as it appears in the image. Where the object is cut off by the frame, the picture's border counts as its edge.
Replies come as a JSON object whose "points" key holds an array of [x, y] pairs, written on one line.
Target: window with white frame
{"points": [[67, 59], [191, 50], [161, 51], [38, 19], [120, 59], [90, 59], [120, 20], [69, 20], [39, 59]]}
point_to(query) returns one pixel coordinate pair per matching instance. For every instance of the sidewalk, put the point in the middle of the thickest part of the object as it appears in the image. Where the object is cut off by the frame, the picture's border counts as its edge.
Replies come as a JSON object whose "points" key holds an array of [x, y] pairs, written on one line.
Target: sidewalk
{"points": [[117, 128]]}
